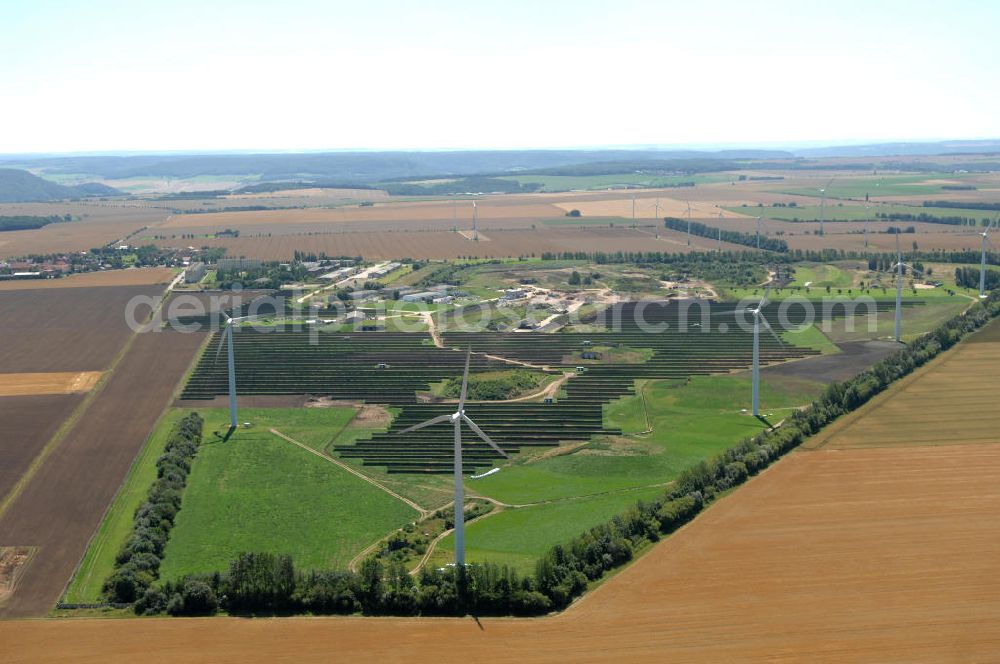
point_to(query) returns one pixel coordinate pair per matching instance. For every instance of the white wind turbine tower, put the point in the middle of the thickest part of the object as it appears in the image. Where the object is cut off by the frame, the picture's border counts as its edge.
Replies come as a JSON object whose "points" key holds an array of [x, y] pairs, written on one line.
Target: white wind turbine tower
{"points": [[982, 261], [457, 418], [822, 205], [634, 225], [475, 221], [227, 338], [900, 268], [758, 320], [689, 223]]}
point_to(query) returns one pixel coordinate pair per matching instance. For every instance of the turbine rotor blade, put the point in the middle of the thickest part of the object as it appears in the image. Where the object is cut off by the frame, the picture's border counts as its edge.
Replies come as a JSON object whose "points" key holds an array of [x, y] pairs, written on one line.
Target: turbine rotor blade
{"points": [[434, 420], [465, 380], [222, 340], [770, 329], [479, 432], [763, 300]]}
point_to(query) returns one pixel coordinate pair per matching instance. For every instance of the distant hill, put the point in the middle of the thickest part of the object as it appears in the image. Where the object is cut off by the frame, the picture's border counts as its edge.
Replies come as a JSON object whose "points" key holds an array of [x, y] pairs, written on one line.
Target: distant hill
{"points": [[354, 168], [17, 186]]}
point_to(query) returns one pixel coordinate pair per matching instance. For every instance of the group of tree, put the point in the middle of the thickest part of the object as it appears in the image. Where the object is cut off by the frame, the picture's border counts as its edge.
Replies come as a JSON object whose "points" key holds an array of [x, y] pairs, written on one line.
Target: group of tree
{"points": [[137, 565], [931, 218], [734, 237], [968, 277], [25, 222]]}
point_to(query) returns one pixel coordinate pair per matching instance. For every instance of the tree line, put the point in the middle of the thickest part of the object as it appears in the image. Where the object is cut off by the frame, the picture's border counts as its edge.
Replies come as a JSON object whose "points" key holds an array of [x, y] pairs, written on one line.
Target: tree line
{"points": [[137, 565], [733, 237], [23, 222], [968, 277]]}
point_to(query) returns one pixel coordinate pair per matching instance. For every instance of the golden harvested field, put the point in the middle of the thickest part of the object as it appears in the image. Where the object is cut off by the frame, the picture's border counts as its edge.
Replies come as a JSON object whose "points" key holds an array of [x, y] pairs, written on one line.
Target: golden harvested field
{"points": [[98, 226], [645, 208], [57, 382], [949, 402], [832, 556], [147, 276], [419, 215]]}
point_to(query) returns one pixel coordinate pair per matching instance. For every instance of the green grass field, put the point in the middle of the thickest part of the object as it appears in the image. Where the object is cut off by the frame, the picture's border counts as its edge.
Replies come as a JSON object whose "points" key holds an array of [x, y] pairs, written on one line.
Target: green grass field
{"points": [[257, 492], [836, 211], [690, 421], [568, 182], [890, 185], [518, 537]]}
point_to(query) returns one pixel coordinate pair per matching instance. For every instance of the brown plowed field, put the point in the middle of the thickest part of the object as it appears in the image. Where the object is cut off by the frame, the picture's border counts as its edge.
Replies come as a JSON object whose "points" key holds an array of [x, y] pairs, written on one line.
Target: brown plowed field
{"points": [[97, 226], [64, 329], [26, 424], [63, 503], [869, 555], [503, 243], [149, 276]]}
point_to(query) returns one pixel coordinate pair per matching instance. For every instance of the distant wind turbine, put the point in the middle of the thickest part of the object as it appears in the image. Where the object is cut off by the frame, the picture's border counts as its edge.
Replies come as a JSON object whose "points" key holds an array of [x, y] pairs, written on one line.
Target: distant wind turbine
{"points": [[982, 261], [457, 418], [822, 204], [900, 268], [758, 320], [689, 223], [475, 221]]}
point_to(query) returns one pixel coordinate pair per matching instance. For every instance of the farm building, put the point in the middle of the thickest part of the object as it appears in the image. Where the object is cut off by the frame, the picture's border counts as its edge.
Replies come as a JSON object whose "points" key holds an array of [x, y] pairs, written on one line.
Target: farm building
{"points": [[338, 274], [425, 296], [238, 263], [194, 273]]}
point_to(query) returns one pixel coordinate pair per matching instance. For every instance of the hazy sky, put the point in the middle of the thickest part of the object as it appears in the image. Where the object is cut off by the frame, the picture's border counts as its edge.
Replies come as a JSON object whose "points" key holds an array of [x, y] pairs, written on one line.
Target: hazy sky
{"points": [[376, 74]]}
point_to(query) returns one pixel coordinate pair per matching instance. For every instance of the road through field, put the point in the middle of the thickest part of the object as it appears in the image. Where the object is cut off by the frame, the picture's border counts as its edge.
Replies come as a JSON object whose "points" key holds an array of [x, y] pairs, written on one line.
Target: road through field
{"points": [[61, 506]]}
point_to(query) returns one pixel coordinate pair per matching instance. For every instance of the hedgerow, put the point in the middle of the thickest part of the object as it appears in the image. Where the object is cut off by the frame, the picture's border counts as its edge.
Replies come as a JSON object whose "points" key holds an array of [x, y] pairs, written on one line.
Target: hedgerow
{"points": [[137, 565]]}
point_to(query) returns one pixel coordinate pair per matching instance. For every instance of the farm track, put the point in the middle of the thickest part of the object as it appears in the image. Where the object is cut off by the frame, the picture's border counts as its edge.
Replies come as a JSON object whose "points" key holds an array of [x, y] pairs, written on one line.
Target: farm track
{"points": [[61, 506]]}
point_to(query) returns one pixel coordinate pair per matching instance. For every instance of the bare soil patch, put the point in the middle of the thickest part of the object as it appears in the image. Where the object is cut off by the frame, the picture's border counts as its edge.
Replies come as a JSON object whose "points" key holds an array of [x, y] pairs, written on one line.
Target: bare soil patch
{"points": [[65, 382], [12, 561]]}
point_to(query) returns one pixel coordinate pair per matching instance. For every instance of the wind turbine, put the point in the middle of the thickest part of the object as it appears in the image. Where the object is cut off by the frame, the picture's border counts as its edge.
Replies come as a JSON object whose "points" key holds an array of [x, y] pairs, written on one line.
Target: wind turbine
{"points": [[758, 319], [227, 338], [689, 223], [633, 212], [867, 219], [900, 267], [475, 221], [982, 261], [822, 204], [456, 419]]}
